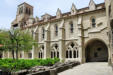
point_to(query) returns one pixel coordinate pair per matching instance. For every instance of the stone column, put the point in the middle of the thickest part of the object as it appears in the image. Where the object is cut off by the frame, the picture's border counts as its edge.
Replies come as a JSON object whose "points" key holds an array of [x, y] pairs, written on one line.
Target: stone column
{"points": [[81, 40], [47, 42], [62, 50], [35, 48], [33, 52]]}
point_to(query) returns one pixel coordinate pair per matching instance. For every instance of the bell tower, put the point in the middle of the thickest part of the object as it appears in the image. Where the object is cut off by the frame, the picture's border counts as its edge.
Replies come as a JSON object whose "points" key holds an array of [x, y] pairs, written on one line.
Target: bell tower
{"points": [[24, 11]]}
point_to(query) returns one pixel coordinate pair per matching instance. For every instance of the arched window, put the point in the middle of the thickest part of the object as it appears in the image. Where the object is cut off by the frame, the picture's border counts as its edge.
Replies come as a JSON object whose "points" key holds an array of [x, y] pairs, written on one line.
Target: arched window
{"points": [[55, 51], [43, 33], [93, 22], [74, 54], [41, 52], [72, 51], [52, 54], [70, 54], [57, 54], [71, 27], [67, 54], [56, 30]]}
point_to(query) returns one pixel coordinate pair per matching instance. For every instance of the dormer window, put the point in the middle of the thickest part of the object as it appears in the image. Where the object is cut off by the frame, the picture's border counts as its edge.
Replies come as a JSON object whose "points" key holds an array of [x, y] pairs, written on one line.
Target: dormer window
{"points": [[56, 30], [93, 22], [71, 27]]}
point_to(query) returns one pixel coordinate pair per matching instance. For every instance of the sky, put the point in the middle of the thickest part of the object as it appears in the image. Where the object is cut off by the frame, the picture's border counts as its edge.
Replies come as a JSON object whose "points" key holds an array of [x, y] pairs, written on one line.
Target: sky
{"points": [[8, 8]]}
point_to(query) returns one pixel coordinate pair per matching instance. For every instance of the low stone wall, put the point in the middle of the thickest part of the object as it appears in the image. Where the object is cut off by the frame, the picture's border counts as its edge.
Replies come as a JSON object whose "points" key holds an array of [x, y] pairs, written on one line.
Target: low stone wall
{"points": [[45, 70], [52, 70]]}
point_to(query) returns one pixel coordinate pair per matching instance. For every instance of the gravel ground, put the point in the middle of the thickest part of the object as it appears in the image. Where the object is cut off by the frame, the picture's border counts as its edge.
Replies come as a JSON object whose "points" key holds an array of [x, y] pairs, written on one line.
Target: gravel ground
{"points": [[95, 68]]}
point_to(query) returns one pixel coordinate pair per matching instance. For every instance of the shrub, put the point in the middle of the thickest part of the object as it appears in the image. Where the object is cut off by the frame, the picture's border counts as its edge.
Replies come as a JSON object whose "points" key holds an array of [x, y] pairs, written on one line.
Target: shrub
{"points": [[9, 65]]}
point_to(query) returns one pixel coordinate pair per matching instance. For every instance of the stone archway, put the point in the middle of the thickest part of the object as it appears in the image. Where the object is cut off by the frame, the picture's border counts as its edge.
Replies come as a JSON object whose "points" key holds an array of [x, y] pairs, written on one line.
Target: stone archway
{"points": [[96, 51]]}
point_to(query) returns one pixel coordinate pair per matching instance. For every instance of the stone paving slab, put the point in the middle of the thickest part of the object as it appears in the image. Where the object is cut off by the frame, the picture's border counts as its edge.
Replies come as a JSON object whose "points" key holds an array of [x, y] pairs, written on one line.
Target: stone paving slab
{"points": [[94, 68]]}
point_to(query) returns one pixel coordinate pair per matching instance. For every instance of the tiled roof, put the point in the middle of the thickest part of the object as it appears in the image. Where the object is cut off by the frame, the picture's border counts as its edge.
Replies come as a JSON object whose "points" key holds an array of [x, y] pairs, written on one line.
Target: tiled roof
{"points": [[68, 14]]}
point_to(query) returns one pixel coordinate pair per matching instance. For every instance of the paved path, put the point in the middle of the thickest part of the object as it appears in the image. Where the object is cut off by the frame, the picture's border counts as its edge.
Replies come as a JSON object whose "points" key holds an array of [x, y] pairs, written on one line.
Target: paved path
{"points": [[95, 68]]}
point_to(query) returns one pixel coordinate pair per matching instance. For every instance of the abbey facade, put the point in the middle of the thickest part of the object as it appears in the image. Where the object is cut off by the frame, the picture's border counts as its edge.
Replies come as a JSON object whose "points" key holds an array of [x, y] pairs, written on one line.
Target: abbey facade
{"points": [[83, 35]]}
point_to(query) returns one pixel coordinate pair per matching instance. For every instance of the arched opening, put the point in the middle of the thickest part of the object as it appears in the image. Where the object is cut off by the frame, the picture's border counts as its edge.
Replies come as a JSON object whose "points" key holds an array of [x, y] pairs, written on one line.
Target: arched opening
{"points": [[96, 51], [72, 51], [55, 51]]}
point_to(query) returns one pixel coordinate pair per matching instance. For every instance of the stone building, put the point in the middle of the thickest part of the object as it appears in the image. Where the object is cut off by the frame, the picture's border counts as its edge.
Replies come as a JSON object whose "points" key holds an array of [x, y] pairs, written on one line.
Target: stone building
{"points": [[83, 35]]}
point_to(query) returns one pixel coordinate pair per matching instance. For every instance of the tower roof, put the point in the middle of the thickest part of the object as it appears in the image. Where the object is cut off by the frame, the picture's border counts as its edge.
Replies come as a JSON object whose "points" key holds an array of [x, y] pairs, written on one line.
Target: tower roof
{"points": [[24, 3]]}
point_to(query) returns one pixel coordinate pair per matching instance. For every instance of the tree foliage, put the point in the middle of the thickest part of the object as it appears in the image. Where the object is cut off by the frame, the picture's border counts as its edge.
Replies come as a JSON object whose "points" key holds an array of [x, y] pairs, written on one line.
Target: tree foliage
{"points": [[15, 41]]}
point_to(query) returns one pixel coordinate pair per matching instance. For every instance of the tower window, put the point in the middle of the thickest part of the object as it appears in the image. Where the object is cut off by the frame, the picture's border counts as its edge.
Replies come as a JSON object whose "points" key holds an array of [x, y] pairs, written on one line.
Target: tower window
{"points": [[93, 22], [29, 12], [21, 10]]}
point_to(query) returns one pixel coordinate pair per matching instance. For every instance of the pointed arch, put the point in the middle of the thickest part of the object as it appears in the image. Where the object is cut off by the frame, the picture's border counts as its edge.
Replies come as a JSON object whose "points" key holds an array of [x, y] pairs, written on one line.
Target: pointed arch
{"points": [[72, 50], [41, 52], [55, 51]]}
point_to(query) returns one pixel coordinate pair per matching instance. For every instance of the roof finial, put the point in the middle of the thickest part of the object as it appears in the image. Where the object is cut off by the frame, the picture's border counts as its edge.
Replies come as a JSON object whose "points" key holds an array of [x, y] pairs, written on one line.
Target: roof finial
{"points": [[58, 13], [92, 5], [73, 9]]}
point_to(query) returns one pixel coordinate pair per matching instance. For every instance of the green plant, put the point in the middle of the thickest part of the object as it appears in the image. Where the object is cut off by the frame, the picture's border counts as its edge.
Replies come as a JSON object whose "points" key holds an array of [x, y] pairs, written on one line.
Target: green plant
{"points": [[15, 65]]}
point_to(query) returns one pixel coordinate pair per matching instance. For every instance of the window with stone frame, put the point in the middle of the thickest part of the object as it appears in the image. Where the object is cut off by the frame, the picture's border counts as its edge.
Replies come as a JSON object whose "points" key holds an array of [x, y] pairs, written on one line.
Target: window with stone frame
{"points": [[43, 33], [29, 12], [56, 30], [93, 22], [55, 51], [21, 10], [72, 51], [41, 52], [71, 27]]}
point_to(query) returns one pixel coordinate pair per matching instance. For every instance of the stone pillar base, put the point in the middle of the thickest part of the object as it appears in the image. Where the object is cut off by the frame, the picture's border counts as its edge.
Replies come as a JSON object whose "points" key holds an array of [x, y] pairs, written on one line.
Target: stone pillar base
{"points": [[83, 60], [109, 62]]}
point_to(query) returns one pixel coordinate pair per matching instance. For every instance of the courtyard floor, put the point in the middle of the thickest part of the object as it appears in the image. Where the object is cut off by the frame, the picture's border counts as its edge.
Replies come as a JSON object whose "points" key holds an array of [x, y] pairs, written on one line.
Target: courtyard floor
{"points": [[93, 68]]}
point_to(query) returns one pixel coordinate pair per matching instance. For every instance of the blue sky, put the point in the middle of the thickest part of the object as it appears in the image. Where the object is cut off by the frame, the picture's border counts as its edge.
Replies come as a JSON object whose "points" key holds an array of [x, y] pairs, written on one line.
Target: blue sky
{"points": [[8, 8]]}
